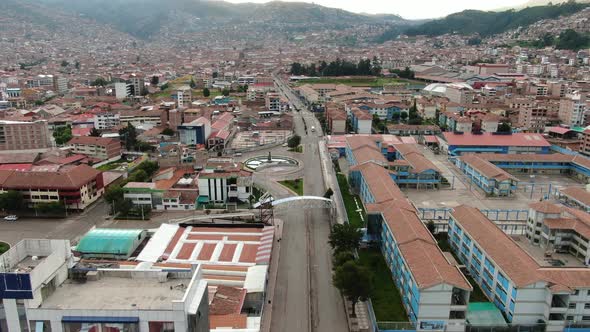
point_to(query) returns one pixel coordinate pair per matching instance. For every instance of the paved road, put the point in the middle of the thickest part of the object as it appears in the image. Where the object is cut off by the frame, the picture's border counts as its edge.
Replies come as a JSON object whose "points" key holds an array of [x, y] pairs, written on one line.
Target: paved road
{"points": [[70, 228], [305, 299]]}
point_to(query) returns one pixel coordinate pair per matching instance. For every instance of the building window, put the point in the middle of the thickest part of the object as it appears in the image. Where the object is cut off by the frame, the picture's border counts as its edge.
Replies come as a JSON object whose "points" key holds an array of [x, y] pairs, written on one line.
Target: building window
{"points": [[572, 305], [570, 318], [40, 326], [586, 305], [586, 318], [161, 326]]}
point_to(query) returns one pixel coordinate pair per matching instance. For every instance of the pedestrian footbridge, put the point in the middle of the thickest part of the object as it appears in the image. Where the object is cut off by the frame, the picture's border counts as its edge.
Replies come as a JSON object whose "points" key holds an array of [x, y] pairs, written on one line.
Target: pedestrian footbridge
{"points": [[308, 202]]}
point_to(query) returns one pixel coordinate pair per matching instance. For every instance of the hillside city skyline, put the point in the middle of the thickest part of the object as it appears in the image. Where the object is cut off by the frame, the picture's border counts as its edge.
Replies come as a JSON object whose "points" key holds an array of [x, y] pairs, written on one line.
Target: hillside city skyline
{"points": [[303, 166]]}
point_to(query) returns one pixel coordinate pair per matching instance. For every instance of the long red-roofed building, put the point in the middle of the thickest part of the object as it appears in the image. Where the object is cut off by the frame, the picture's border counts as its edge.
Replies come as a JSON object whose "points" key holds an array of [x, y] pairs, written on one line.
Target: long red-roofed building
{"points": [[75, 186]]}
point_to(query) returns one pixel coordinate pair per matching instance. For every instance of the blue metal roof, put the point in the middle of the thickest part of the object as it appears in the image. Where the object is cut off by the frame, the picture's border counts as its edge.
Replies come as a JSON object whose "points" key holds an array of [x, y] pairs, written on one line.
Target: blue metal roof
{"points": [[98, 319]]}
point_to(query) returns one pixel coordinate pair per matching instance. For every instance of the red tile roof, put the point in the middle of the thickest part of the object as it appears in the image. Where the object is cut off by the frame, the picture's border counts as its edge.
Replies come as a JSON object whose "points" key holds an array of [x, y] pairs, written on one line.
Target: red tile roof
{"points": [[513, 260], [577, 193], [426, 261], [65, 178], [234, 321], [488, 139], [90, 140]]}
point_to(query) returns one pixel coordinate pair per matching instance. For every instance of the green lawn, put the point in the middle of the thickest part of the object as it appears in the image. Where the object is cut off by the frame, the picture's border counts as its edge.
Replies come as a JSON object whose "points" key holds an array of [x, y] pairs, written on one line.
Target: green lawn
{"points": [[111, 166], [349, 202], [387, 302], [4, 247], [196, 93], [297, 149], [295, 185], [357, 81]]}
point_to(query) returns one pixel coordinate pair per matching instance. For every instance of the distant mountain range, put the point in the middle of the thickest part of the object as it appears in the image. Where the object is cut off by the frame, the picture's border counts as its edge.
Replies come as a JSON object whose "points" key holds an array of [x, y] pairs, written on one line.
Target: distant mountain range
{"points": [[164, 19], [485, 23], [145, 18], [533, 3]]}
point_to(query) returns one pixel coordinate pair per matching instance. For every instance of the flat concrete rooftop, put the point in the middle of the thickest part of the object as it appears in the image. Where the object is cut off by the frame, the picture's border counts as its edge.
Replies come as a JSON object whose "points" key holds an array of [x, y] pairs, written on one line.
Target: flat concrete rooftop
{"points": [[117, 293], [27, 264], [556, 259]]}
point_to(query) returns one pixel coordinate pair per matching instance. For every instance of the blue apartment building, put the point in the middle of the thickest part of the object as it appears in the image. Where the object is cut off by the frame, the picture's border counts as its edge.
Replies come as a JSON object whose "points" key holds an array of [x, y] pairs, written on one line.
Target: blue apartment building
{"points": [[528, 294], [434, 292], [408, 165], [457, 144], [493, 180]]}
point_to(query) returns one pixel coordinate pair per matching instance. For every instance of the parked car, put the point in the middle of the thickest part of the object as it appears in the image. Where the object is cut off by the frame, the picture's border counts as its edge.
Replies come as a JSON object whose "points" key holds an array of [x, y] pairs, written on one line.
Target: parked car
{"points": [[11, 218]]}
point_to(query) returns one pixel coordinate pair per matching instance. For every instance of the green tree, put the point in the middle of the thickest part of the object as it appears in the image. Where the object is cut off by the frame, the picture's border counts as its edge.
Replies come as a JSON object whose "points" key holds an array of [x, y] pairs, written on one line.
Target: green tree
{"points": [[113, 194], [155, 80], [375, 67], [150, 167], [206, 92], [11, 200], [572, 40], [144, 146], [168, 132], [504, 127], [77, 64], [329, 193], [345, 237], [404, 116], [164, 86], [123, 207], [64, 63], [95, 132], [129, 136], [51, 207], [99, 82], [192, 83], [225, 92], [339, 258], [62, 135], [294, 141], [139, 176], [354, 281]]}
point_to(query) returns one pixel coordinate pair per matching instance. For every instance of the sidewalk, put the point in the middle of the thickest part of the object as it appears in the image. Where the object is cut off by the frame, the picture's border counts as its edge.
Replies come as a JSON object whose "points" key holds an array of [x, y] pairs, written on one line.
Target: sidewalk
{"points": [[330, 181]]}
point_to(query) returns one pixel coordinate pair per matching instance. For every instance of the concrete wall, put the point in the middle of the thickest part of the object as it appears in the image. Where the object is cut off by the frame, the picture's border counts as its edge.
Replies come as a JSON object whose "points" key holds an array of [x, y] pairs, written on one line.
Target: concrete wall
{"points": [[530, 304]]}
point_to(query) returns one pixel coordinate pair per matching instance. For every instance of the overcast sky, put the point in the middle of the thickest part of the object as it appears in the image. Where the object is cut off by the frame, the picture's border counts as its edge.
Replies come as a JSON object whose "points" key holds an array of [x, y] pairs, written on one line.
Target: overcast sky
{"points": [[411, 9]]}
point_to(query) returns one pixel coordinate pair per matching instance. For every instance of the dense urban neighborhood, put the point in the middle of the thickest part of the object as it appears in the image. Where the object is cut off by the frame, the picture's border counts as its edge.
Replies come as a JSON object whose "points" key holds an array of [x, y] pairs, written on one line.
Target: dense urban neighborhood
{"points": [[210, 166]]}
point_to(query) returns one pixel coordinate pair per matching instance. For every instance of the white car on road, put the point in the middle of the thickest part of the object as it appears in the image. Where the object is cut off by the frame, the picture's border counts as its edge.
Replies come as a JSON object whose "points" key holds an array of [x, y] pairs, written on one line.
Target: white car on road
{"points": [[11, 218]]}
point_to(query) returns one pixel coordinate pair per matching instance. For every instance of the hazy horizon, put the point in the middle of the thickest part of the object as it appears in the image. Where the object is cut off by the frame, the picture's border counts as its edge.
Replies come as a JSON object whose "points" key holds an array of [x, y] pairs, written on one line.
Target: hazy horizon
{"points": [[416, 9]]}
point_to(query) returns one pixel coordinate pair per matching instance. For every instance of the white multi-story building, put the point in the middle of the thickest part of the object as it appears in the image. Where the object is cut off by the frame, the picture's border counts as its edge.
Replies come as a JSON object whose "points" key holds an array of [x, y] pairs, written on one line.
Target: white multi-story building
{"points": [[122, 90], [138, 85], [60, 84], [183, 96], [572, 109], [273, 102], [142, 193], [40, 81], [223, 181], [42, 290], [106, 120]]}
